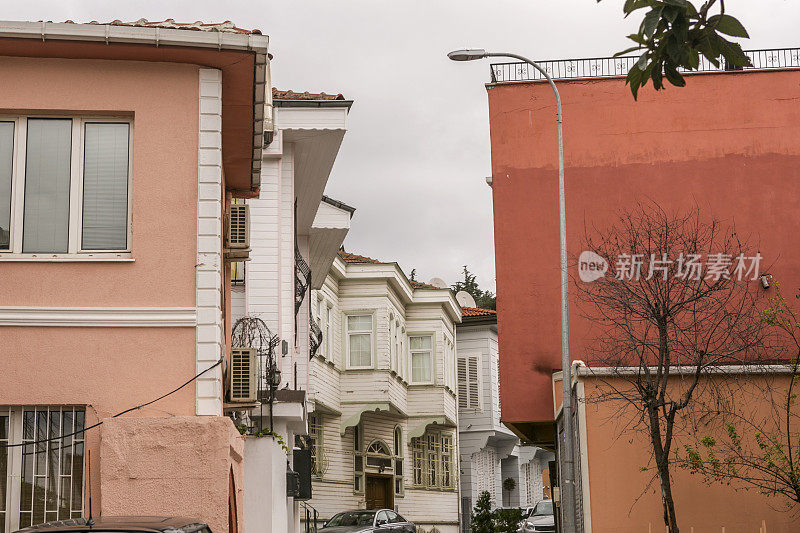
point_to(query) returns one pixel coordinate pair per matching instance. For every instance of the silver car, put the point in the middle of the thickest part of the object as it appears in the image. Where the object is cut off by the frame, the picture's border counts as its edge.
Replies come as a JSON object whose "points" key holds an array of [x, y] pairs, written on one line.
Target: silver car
{"points": [[539, 519], [368, 521]]}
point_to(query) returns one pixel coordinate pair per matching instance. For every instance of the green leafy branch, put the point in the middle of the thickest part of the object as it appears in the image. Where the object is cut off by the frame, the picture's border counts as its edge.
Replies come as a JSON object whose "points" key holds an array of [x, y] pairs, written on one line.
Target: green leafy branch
{"points": [[674, 34]]}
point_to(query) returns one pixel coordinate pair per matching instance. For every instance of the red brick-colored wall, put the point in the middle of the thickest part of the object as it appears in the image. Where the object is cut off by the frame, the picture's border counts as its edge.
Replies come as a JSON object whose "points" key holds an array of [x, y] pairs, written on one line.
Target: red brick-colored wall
{"points": [[728, 144]]}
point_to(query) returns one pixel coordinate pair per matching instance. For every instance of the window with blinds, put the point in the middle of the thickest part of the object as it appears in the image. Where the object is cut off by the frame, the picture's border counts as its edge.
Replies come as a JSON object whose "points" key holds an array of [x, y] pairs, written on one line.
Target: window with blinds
{"points": [[105, 186], [468, 383], [68, 190]]}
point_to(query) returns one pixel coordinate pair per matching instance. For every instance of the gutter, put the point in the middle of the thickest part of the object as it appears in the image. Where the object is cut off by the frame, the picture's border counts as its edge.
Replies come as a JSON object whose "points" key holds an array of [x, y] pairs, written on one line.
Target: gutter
{"points": [[312, 103], [263, 127]]}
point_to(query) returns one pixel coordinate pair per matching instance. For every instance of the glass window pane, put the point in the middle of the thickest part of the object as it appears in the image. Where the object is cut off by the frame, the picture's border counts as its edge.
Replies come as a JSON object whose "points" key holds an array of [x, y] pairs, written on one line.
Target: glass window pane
{"points": [[105, 187], [360, 349], [359, 322], [45, 227], [6, 166], [421, 343], [421, 367]]}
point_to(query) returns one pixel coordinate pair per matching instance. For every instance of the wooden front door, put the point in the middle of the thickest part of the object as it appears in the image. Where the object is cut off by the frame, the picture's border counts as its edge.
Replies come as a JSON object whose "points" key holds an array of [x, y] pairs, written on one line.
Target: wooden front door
{"points": [[379, 492]]}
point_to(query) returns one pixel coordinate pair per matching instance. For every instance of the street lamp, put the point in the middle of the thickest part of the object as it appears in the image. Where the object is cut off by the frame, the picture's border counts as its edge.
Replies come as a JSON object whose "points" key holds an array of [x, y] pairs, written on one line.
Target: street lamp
{"points": [[567, 468]]}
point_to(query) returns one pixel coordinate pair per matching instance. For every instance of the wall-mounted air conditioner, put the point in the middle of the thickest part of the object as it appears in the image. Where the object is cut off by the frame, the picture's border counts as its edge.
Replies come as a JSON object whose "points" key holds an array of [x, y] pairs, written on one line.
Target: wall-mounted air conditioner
{"points": [[238, 230], [243, 376]]}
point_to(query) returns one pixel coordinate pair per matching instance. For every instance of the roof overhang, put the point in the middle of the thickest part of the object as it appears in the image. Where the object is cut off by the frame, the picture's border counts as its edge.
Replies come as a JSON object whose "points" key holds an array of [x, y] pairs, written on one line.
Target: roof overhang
{"points": [[316, 133], [242, 58], [328, 231], [354, 417], [421, 425]]}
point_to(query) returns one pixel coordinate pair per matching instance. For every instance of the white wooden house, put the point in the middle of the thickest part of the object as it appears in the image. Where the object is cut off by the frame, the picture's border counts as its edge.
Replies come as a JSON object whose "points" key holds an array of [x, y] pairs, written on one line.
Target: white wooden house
{"points": [[293, 229], [383, 395], [490, 452]]}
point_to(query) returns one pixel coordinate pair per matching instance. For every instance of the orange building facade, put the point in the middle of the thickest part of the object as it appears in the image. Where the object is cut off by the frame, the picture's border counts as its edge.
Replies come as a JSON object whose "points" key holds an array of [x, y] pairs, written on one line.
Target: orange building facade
{"points": [[728, 144]]}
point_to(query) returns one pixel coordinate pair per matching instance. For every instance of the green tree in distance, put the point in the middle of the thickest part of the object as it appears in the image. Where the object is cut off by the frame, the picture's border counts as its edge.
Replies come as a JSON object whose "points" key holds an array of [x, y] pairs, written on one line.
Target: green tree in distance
{"points": [[674, 34], [482, 520], [483, 299]]}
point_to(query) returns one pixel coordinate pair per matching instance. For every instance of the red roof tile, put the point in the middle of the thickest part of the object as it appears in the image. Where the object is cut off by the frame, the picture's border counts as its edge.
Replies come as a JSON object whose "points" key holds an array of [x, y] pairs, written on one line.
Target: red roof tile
{"points": [[420, 285], [476, 311], [361, 259], [277, 94], [223, 27], [355, 258]]}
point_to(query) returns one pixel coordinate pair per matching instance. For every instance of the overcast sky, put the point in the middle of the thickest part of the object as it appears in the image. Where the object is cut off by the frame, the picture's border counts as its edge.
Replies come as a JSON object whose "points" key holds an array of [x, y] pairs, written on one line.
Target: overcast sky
{"points": [[416, 155]]}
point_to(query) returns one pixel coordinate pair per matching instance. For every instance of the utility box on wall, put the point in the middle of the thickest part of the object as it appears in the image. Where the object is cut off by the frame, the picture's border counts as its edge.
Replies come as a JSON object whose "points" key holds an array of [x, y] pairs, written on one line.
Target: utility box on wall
{"points": [[301, 459]]}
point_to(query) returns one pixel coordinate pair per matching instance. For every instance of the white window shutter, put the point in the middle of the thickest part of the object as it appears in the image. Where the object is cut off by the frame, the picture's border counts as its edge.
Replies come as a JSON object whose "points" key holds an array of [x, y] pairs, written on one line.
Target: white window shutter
{"points": [[474, 386], [463, 401]]}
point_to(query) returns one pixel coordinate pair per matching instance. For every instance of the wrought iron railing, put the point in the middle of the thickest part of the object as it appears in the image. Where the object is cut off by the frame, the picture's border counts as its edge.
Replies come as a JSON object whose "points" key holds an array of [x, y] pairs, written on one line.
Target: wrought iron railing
{"points": [[302, 279], [314, 337], [605, 67]]}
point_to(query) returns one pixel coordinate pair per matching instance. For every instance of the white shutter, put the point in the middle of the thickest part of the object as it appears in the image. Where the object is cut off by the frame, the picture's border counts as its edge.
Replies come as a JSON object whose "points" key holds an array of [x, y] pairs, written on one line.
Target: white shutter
{"points": [[474, 386], [463, 401]]}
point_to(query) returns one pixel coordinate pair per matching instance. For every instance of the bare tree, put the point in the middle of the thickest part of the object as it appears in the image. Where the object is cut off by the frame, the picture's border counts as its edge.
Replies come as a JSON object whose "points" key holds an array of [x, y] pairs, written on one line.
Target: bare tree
{"points": [[754, 438], [667, 312]]}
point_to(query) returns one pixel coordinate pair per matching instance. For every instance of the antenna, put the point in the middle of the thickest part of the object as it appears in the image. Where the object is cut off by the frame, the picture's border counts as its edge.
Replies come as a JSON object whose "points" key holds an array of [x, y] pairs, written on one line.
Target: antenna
{"points": [[90, 520], [465, 299]]}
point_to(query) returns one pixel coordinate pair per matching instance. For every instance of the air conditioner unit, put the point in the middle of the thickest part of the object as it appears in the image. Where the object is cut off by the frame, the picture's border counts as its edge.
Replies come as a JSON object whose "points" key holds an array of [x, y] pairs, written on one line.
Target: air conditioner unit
{"points": [[238, 230], [243, 376]]}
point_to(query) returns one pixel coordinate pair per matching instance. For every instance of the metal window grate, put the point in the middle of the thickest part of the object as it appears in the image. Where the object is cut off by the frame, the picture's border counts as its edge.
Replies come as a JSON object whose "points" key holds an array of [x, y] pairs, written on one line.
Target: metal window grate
{"points": [[47, 476], [432, 461], [606, 67]]}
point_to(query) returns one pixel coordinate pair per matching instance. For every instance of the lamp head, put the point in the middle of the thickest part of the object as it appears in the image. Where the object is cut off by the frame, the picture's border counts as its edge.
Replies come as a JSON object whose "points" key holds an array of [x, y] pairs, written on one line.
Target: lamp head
{"points": [[467, 55]]}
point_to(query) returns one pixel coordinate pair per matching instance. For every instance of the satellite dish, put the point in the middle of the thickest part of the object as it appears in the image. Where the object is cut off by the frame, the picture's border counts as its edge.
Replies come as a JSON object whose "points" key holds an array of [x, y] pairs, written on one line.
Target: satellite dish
{"points": [[438, 282], [465, 299]]}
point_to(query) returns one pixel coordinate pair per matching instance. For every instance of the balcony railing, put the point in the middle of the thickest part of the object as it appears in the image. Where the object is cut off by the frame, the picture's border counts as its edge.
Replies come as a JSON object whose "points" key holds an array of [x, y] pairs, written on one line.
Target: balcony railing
{"points": [[606, 67]]}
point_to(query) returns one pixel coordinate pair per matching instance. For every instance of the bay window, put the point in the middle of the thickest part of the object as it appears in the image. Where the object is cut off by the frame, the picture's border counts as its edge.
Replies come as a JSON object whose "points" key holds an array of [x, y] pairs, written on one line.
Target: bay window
{"points": [[359, 341], [64, 185], [421, 348]]}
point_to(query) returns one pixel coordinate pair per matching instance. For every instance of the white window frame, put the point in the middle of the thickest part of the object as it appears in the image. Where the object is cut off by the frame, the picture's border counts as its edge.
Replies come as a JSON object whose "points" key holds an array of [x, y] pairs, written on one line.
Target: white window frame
{"points": [[328, 333], [74, 243], [371, 333], [432, 353]]}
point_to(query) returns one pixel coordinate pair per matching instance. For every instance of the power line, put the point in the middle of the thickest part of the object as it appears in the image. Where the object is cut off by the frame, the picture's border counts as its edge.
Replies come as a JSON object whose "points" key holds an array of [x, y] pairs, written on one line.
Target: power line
{"points": [[126, 411]]}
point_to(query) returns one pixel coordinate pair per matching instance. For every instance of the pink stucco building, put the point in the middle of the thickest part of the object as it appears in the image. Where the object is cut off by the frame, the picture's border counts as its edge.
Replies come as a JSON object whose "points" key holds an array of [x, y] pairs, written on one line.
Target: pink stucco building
{"points": [[121, 148]]}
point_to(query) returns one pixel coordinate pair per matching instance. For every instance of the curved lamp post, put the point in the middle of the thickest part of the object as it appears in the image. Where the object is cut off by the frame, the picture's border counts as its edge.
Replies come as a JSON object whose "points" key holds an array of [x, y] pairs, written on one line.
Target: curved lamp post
{"points": [[567, 468]]}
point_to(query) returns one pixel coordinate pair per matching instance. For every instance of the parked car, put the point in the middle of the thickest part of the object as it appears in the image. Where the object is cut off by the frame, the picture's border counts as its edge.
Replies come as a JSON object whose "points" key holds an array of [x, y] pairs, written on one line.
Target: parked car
{"points": [[366, 520], [539, 518], [122, 524]]}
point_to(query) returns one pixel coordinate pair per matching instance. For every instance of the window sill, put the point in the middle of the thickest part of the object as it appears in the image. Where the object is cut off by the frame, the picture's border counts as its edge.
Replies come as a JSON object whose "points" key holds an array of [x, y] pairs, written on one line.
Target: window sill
{"points": [[108, 257]]}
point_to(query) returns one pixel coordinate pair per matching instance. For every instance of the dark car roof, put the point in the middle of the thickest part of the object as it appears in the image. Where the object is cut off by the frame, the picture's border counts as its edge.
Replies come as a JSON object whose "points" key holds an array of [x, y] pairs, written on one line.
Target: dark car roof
{"points": [[126, 523]]}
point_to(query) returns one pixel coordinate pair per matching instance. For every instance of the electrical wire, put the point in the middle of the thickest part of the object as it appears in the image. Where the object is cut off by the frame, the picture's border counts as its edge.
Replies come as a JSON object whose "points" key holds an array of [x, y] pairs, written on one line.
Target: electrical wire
{"points": [[126, 411]]}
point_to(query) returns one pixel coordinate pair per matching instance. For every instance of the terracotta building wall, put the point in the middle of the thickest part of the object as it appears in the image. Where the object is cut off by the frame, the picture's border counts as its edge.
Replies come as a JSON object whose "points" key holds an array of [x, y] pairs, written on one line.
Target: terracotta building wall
{"points": [[728, 144]]}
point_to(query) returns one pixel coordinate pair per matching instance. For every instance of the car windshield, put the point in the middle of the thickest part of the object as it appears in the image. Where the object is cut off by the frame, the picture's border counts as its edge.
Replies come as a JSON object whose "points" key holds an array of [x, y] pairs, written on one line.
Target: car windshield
{"points": [[543, 509], [352, 518]]}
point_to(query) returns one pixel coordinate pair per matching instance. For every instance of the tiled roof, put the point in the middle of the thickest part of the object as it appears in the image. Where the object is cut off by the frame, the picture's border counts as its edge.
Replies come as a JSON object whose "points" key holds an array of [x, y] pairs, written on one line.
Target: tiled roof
{"points": [[223, 27], [476, 311], [277, 94], [420, 285], [361, 259], [355, 258]]}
